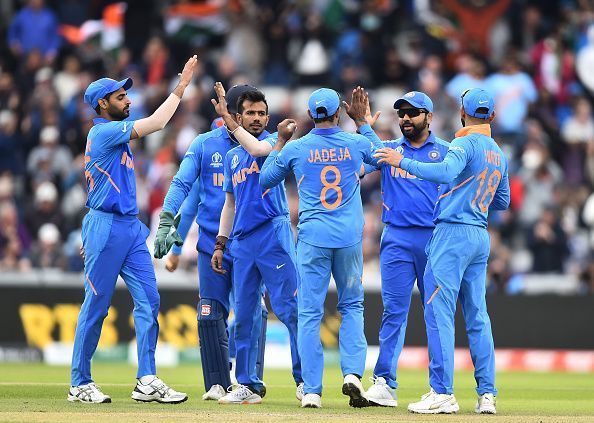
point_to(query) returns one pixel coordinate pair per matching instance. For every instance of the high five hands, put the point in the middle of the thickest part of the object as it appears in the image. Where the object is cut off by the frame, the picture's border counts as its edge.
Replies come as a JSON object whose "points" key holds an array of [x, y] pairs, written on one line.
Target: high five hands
{"points": [[359, 109]]}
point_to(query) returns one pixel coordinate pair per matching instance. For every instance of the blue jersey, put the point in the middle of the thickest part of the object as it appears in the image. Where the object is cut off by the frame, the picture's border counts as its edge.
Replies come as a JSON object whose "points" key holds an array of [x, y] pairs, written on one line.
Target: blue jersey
{"points": [[254, 205], [409, 201], [109, 168], [473, 176], [203, 162], [188, 213], [326, 163]]}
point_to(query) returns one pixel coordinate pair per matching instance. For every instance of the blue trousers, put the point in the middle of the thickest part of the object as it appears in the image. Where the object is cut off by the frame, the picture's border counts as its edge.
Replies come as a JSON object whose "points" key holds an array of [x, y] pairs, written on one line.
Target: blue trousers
{"points": [[214, 286], [456, 269], [115, 245], [266, 255], [402, 261], [315, 265]]}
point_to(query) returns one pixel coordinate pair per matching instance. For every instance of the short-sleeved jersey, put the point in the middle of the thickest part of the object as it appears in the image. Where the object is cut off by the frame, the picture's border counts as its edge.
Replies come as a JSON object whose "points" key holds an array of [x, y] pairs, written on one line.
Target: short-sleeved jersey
{"points": [[409, 201], [109, 168], [326, 163], [474, 177], [204, 162], [254, 205]]}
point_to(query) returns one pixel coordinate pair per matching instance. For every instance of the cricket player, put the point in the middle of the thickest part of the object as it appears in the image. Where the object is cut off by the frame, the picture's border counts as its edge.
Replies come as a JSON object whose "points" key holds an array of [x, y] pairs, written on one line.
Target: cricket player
{"points": [[188, 213], [114, 240], [263, 247], [202, 170], [474, 178], [326, 163], [408, 204]]}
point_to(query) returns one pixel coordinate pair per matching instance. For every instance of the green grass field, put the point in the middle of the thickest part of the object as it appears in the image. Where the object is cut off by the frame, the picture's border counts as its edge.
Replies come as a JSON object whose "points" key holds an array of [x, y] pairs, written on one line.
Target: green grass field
{"points": [[37, 393]]}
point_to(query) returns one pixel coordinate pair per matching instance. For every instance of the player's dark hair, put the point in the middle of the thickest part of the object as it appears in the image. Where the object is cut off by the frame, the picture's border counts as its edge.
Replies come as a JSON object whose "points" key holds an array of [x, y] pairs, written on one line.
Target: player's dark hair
{"points": [[98, 108], [254, 97], [482, 110], [320, 110]]}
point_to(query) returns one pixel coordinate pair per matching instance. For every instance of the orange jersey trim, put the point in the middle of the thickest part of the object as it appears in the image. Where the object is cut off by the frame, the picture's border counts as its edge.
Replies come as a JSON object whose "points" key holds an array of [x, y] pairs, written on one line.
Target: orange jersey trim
{"points": [[456, 187], [484, 129], [300, 180], [108, 177], [91, 284]]}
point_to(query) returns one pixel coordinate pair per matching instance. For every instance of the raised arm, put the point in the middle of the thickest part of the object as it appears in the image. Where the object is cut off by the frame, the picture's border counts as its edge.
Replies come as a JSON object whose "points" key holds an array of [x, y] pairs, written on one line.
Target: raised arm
{"points": [[251, 144], [165, 111]]}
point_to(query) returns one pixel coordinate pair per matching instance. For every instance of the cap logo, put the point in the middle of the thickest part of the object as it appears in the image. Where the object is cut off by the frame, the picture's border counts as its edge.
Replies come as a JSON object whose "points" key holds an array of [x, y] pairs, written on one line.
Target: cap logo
{"points": [[410, 94]]}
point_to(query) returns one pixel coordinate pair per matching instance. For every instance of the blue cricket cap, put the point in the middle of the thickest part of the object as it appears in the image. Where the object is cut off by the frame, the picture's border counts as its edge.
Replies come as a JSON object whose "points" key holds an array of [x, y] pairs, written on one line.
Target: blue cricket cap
{"points": [[323, 102], [232, 96], [101, 87], [416, 99], [475, 99], [217, 123]]}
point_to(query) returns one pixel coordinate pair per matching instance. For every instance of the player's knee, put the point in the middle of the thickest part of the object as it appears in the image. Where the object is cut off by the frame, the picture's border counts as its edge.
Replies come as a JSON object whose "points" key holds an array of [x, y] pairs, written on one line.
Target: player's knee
{"points": [[353, 306]]}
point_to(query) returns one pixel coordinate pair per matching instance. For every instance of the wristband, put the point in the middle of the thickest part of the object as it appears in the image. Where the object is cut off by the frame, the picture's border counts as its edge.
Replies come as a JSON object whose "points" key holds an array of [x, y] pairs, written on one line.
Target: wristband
{"points": [[221, 243]]}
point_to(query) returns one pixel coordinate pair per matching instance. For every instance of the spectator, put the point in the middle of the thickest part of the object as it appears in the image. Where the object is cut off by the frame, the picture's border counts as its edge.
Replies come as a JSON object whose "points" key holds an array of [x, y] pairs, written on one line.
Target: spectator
{"points": [[47, 252], [514, 91], [45, 208], [14, 240], [22, 39], [49, 158], [10, 144], [548, 243]]}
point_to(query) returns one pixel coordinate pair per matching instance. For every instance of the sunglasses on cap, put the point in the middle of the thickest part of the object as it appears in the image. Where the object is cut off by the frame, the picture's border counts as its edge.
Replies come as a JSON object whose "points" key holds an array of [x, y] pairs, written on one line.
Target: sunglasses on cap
{"points": [[466, 91], [412, 113]]}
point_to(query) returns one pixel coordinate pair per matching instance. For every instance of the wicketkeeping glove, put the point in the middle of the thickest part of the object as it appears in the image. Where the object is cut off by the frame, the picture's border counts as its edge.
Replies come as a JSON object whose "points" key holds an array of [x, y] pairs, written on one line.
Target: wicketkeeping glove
{"points": [[166, 237]]}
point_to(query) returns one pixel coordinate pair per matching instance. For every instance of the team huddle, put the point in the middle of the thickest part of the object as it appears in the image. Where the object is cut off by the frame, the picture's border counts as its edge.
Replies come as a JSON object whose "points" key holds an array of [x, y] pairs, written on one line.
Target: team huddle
{"points": [[436, 200]]}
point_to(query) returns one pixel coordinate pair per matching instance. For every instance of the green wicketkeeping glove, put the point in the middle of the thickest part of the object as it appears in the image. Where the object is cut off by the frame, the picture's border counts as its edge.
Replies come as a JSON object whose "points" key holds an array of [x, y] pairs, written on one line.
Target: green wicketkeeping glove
{"points": [[166, 238]]}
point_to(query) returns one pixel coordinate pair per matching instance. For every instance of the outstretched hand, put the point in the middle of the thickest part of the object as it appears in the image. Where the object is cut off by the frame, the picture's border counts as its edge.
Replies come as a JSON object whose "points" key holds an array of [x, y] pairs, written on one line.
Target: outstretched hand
{"points": [[359, 109], [220, 104], [389, 156], [188, 71]]}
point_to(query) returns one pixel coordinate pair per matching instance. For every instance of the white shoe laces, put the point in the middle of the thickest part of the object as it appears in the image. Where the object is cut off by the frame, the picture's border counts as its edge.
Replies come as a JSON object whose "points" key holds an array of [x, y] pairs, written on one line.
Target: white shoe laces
{"points": [[239, 390], [428, 394], [161, 387], [88, 391], [378, 380]]}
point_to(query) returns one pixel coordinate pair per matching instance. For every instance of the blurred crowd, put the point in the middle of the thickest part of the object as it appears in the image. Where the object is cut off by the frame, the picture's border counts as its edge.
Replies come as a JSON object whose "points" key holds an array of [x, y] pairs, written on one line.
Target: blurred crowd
{"points": [[535, 57]]}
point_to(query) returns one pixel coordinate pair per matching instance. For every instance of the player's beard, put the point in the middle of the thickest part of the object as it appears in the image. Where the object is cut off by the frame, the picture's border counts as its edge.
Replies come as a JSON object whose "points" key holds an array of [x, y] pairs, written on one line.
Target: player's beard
{"points": [[415, 132], [255, 133], [118, 115], [463, 122]]}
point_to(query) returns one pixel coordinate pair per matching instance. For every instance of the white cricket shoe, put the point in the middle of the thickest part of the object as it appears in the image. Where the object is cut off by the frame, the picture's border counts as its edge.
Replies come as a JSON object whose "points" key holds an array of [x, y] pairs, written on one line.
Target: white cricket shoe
{"points": [[434, 403], [240, 395], [299, 394], [381, 394], [215, 393], [158, 391], [486, 404], [88, 394], [311, 401], [353, 388]]}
